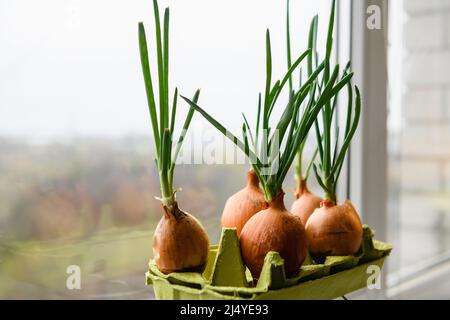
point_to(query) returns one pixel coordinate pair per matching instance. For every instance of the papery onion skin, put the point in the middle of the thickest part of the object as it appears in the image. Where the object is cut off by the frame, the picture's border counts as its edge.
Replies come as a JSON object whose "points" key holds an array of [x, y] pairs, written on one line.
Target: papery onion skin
{"points": [[180, 243], [306, 202], [241, 206], [274, 229], [334, 230]]}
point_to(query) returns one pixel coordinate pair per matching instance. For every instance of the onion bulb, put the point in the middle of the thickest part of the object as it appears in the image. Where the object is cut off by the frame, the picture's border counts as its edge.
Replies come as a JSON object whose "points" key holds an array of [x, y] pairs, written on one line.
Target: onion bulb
{"points": [[244, 204], [274, 229], [306, 202], [334, 230], [180, 243]]}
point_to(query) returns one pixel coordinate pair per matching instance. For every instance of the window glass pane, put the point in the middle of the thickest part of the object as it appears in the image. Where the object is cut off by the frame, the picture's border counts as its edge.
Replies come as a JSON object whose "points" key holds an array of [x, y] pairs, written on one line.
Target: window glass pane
{"points": [[419, 133], [78, 179]]}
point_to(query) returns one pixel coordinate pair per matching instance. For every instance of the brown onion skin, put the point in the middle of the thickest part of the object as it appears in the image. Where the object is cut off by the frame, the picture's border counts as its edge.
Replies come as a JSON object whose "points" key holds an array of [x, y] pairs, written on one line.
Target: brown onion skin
{"points": [[180, 243], [241, 206], [274, 229], [334, 230], [306, 202]]}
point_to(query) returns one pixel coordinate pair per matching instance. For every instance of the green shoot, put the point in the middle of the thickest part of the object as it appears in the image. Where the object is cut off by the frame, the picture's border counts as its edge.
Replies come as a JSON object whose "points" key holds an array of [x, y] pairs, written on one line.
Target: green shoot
{"points": [[331, 158], [272, 157], [312, 64], [163, 123], [288, 46], [328, 158]]}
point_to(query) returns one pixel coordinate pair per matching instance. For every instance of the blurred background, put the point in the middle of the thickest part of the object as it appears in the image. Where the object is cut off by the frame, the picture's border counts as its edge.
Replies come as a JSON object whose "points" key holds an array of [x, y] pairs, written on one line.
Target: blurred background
{"points": [[77, 175]]}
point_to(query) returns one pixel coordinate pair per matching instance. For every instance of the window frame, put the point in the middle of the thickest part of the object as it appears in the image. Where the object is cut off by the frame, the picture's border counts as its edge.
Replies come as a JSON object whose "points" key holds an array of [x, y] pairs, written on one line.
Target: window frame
{"points": [[366, 166]]}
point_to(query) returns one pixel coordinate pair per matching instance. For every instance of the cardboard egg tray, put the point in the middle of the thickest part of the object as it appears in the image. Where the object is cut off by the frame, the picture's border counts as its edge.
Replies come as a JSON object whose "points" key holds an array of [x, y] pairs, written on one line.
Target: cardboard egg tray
{"points": [[226, 277]]}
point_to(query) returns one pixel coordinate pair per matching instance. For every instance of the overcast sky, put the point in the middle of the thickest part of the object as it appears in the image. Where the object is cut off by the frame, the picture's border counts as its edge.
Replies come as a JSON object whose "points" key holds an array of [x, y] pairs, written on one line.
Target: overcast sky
{"points": [[71, 68]]}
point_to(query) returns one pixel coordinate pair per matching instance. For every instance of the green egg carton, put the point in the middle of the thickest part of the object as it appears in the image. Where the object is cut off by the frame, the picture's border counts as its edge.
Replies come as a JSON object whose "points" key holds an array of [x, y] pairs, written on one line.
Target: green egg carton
{"points": [[226, 277]]}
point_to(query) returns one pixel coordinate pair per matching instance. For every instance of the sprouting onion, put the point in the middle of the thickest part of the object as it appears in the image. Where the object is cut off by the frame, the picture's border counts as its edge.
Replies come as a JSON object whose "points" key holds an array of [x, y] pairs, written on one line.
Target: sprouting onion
{"points": [[333, 229], [271, 151], [244, 204], [180, 243]]}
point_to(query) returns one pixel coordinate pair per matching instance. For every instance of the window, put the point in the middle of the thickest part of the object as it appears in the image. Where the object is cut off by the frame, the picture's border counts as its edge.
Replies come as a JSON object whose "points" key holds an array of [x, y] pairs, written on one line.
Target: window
{"points": [[78, 179]]}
